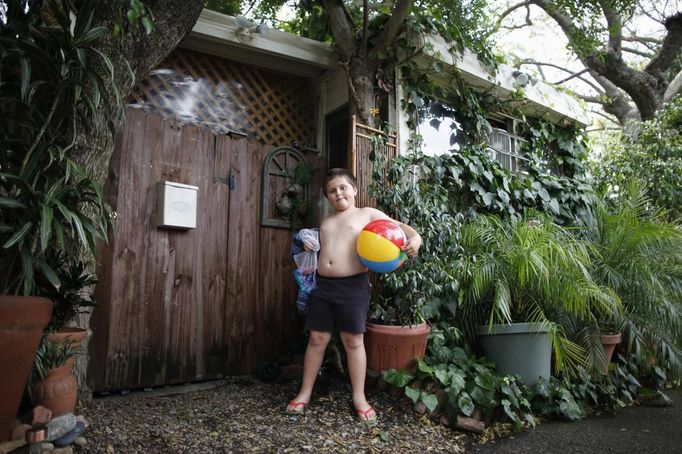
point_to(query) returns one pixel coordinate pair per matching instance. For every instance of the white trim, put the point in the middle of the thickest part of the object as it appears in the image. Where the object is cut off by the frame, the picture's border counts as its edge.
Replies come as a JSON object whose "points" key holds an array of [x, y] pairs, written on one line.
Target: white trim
{"points": [[216, 34], [541, 100]]}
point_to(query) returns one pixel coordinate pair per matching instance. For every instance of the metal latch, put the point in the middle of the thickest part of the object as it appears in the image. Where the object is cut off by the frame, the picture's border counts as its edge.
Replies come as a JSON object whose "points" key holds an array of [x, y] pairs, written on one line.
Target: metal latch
{"points": [[228, 180]]}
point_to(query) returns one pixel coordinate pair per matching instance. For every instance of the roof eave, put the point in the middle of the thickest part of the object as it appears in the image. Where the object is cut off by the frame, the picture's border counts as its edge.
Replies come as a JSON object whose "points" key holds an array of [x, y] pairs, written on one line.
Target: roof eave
{"points": [[218, 34]]}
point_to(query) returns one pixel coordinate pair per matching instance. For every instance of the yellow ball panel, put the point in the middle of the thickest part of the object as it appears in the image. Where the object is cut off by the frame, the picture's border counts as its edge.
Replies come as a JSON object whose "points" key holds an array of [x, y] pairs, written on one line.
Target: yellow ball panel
{"points": [[375, 248]]}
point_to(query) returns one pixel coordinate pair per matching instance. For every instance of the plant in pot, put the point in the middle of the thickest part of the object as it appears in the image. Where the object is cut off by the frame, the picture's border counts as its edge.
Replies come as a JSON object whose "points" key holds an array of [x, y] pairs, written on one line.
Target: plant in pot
{"points": [[638, 254], [71, 297], [47, 201], [405, 298], [52, 383], [521, 280]]}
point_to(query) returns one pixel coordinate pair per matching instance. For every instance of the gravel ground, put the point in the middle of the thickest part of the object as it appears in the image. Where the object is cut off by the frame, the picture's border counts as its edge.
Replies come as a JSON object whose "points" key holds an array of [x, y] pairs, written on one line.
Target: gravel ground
{"points": [[243, 414]]}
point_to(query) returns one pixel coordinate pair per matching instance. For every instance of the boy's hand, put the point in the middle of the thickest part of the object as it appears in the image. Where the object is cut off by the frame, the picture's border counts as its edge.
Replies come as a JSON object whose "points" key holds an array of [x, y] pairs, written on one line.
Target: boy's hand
{"points": [[411, 248], [308, 247]]}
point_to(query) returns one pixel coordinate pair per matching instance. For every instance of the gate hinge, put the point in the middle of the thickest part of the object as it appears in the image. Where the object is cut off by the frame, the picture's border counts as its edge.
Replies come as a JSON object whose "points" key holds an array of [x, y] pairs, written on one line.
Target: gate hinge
{"points": [[228, 180]]}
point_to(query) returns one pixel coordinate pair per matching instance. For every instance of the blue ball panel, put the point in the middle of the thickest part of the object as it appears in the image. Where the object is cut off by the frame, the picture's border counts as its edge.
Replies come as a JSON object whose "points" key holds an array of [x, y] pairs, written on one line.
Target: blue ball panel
{"points": [[382, 267]]}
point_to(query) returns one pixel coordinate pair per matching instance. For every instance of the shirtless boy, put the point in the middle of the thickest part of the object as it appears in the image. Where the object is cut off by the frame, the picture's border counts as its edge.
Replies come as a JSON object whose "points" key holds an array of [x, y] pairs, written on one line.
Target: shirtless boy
{"points": [[342, 294]]}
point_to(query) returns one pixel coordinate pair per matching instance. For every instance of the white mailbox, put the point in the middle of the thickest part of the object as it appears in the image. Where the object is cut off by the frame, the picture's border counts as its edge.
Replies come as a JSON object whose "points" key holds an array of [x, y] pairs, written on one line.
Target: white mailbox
{"points": [[176, 205]]}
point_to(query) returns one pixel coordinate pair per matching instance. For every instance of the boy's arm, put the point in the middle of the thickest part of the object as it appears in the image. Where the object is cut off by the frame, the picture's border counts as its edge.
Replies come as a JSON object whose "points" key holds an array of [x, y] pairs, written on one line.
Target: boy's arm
{"points": [[414, 239]]}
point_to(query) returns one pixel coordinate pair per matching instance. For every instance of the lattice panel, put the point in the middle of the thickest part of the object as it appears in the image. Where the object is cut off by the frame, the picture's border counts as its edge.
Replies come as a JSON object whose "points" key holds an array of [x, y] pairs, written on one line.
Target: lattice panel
{"points": [[225, 96], [361, 166]]}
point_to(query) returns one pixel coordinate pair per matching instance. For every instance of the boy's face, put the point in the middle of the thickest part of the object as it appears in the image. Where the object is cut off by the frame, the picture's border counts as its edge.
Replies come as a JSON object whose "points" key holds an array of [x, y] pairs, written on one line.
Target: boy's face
{"points": [[340, 193]]}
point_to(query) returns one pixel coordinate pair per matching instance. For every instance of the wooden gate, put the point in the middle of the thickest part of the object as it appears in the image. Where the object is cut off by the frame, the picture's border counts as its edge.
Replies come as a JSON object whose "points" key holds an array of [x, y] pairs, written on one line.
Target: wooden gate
{"points": [[179, 306]]}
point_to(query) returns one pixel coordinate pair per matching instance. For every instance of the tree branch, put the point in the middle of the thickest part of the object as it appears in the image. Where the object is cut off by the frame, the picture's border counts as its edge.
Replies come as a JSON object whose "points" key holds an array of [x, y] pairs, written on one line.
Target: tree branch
{"points": [[572, 76], [614, 23], [561, 68], [642, 39], [341, 27], [365, 27], [391, 30], [513, 8], [633, 51], [673, 88], [643, 87], [672, 43]]}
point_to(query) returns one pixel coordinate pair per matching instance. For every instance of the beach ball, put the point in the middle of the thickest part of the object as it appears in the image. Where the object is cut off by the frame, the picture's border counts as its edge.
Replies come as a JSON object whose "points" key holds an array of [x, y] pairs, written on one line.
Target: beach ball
{"points": [[378, 246]]}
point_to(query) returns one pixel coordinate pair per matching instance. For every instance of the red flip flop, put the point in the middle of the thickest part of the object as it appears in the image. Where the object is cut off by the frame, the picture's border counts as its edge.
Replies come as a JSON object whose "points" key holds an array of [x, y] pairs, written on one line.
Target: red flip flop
{"points": [[363, 416], [297, 408]]}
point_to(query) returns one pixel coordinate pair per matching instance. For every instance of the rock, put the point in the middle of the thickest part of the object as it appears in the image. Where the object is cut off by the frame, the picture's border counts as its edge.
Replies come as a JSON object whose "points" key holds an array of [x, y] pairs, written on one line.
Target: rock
{"points": [[110, 449], [19, 432], [470, 424], [46, 447], [39, 415], [60, 426], [71, 436], [66, 450], [11, 446], [80, 441]]}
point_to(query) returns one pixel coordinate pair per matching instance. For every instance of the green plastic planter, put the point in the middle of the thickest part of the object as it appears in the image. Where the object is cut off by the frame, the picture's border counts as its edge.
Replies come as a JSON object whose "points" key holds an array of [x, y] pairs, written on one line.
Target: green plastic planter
{"points": [[523, 349]]}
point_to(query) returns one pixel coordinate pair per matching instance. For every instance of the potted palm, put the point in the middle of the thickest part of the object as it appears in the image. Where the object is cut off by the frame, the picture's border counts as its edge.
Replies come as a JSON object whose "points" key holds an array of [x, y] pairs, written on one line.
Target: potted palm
{"points": [[519, 281], [49, 204], [639, 255]]}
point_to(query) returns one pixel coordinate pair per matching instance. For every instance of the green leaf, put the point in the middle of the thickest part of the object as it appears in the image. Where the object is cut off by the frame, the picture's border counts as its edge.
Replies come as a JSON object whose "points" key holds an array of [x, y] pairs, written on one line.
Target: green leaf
{"points": [[430, 401], [443, 377], [27, 265], [91, 35], [457, 380], [506, 405], [147, 24], [424, 368], [488, 198], [465, 404], [46, 216], [485, 381], [10, 202], [412, 393], [25, 77], [398, 378], [50, 274], [18, 236], [132, 16]]}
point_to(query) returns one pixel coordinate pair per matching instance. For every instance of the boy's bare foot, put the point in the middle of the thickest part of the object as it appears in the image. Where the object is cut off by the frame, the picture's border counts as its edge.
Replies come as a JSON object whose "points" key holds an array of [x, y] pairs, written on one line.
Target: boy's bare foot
{"points": [[365, 412], [297, 405], [295, 408], [367, 416]]}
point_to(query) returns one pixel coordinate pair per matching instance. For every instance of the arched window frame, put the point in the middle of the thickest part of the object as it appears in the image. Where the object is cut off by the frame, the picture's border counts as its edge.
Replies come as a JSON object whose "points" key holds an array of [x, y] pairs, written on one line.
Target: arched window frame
{"points": [[274, 169]]}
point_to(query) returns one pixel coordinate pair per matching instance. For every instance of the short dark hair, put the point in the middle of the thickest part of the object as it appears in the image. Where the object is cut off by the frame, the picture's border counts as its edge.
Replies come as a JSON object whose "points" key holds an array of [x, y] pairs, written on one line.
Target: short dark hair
{"points": [[339, 172]]}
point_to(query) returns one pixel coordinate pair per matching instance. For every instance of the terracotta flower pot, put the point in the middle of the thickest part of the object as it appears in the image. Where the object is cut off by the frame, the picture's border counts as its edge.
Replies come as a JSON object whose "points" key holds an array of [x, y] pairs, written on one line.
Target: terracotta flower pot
{"points": [[609, 343], [58, 391], [395, 347], [22, 321]]}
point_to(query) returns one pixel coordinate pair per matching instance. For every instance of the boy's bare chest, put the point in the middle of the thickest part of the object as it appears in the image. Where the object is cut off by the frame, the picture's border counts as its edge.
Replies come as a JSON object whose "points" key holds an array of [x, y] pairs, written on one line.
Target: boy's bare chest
{"points": [[344, 227]]}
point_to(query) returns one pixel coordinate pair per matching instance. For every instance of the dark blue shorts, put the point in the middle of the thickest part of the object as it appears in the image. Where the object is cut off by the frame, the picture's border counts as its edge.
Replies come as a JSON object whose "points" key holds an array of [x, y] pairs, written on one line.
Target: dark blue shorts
{"points": [[339, 301]]}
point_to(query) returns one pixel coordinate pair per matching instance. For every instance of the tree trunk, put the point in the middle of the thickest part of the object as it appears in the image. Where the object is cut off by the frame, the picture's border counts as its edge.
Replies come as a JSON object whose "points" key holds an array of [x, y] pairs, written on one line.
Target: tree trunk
{"points": [[137, 52], [134, 52], [361, 87]]}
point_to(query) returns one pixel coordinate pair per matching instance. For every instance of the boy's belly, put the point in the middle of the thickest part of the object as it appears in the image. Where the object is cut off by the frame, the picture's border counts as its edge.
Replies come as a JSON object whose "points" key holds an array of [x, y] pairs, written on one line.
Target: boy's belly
{"points": [[340, 266]]}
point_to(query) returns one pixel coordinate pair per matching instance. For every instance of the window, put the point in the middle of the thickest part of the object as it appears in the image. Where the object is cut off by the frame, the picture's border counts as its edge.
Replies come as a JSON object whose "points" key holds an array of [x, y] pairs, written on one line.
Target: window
{"points": [[438, 127], [505, 146]]}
